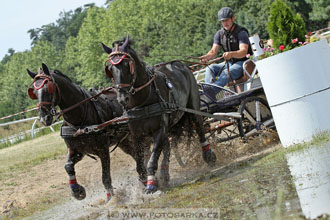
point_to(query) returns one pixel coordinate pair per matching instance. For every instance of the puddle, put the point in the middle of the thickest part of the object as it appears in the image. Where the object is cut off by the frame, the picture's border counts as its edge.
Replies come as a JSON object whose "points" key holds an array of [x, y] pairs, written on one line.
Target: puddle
{"points": [[310, 170]]}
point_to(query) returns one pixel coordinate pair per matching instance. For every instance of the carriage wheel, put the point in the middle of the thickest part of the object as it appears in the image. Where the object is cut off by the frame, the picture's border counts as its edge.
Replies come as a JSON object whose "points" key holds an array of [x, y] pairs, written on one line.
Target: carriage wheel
{"points": [[255, 116], [184, 148]]}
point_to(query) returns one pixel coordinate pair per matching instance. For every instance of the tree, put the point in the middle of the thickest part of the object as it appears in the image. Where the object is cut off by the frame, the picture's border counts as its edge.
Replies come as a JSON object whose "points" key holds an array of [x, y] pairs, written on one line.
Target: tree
{"points": [[6, 58], [253, 15], [68, 25], [303, 8], [320, 14], [85, 53], [283, 25]]}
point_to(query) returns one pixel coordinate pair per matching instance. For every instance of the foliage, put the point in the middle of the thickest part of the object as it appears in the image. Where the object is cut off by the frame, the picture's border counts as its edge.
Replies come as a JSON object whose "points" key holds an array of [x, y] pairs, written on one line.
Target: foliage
{"points": [[320, 10], [7, 57], [89, 59], [162, 30], [15, 79], [283, 25], [320, 13], [254, 16], [57, 33]]}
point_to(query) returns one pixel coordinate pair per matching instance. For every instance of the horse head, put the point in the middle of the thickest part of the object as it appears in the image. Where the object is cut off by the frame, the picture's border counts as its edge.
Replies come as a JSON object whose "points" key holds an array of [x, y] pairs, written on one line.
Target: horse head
{"points": [[43, 88], [121, 66]]}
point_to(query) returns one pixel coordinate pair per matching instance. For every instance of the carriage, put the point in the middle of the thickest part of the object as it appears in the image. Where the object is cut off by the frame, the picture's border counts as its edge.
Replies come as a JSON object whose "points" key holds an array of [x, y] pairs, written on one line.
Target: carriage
{"points": [[155, 100], [239, 110]]}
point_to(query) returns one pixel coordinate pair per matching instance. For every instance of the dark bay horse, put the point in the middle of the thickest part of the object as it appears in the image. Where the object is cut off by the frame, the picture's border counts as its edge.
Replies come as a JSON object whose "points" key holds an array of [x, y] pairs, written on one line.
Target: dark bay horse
{"points": [[52, 88], [150, 98]]}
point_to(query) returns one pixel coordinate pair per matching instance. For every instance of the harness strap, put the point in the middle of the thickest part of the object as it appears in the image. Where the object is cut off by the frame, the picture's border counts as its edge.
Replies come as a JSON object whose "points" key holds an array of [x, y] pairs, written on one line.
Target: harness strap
{"points": [[62, 112], [151, 110], [145, 85]]}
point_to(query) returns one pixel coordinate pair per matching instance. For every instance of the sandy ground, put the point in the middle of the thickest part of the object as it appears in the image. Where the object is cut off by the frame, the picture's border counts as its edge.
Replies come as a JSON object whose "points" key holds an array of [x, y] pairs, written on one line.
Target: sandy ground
{"points": [[50, 179]]}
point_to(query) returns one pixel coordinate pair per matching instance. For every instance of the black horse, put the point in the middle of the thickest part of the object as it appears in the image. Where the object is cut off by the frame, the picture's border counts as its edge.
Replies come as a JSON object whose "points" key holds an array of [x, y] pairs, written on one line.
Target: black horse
{"points": [[151, 97], [54, 88]]}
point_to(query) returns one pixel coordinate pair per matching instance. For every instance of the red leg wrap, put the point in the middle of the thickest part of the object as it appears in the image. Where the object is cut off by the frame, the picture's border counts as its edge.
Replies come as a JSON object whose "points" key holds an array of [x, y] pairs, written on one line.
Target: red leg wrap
{"points": [[206, 148]]}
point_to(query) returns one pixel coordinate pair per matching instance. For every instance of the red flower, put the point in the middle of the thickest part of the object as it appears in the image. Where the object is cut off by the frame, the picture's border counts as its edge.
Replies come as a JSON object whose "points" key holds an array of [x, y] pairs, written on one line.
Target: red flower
{"points": [[310, 33], [281, 47], [294, 40]]}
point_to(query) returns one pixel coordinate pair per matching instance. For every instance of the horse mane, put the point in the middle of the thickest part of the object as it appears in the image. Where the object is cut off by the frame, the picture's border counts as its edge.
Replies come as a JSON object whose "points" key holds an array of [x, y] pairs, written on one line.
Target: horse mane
{"points": [[121, 42], [129, 49], [57, 72]]}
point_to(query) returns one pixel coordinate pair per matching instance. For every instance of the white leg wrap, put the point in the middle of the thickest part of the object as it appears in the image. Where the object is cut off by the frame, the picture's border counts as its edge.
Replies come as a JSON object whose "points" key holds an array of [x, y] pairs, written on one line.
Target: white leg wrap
{"points": [[151, 178], [72, 177], [205, 143]]}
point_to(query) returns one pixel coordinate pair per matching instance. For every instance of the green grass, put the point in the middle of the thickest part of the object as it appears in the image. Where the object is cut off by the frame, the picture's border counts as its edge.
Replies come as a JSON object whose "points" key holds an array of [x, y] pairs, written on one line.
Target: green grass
{"points": [[21, 158], [25, 155]]}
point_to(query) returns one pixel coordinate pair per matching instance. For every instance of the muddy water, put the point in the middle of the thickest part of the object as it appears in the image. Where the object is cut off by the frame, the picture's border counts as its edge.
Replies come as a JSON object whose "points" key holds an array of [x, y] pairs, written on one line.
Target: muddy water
{"points": [[128, 190], [126, 186], [310, 170]]}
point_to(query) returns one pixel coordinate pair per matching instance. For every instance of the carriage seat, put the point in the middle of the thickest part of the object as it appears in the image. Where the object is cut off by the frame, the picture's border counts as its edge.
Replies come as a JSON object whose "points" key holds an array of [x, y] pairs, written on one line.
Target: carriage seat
{"points": [[248, 69]]}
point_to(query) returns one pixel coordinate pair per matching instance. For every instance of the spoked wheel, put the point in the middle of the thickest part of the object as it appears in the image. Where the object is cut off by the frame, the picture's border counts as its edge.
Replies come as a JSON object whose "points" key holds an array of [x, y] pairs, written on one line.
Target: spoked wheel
{"points": [[184, 148], [255, 116]]}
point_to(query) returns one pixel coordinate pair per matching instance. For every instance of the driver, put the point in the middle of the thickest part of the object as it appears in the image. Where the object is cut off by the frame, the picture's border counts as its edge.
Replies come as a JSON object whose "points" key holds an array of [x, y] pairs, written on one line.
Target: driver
{"points": [[234, 41]]}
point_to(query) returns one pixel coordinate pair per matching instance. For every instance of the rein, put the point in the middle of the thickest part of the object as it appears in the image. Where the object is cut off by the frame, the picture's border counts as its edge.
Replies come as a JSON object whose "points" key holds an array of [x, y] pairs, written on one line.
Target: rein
{"points": [[52, 103], [62, 112], [195, 64]]}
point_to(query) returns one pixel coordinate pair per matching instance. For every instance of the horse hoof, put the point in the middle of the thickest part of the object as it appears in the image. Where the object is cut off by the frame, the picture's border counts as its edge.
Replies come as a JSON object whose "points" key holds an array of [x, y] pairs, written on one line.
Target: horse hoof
{"points": [[209, 157], [150, 189], [78, 191]]}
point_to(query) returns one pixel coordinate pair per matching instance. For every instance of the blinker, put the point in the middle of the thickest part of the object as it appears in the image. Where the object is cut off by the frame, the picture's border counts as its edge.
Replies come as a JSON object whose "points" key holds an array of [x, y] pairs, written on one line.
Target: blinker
{"points": [[31, 93], [38, 84]]}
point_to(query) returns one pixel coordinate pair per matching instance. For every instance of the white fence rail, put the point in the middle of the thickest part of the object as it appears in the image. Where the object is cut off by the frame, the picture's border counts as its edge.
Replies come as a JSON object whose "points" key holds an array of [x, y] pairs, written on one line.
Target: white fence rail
{"points": [[21, 135]]}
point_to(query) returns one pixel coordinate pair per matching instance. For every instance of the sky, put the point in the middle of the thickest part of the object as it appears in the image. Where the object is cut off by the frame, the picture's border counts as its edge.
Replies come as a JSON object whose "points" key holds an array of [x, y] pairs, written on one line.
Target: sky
{"points": [[19, 16]]}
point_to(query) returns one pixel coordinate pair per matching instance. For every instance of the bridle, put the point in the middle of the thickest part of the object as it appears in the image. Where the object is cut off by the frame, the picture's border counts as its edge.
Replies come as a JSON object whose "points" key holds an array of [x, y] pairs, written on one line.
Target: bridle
{"points": [[115, 58], [52, 89]]}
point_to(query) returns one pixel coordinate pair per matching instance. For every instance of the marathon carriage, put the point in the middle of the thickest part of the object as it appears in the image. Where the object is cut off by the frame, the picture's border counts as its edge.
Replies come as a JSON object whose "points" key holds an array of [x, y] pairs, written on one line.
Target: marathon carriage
{"points": [[241, 105]]}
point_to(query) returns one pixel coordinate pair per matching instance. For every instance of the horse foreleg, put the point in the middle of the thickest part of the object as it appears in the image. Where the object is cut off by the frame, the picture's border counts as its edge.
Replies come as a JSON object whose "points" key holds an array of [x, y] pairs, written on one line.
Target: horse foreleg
{"points": [[77, 190], [142, 150], [164, 168], [159, 137], [208, 156], [106, 176]]}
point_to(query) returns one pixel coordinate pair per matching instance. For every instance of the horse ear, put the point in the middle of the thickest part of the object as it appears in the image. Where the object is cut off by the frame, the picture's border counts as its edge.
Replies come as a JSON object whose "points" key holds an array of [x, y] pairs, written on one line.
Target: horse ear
{"points": [[107, 49], [122, 47], [32, 74], [45, 69]]}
